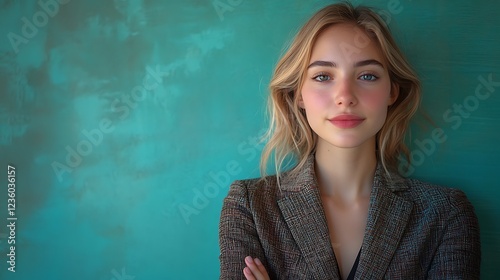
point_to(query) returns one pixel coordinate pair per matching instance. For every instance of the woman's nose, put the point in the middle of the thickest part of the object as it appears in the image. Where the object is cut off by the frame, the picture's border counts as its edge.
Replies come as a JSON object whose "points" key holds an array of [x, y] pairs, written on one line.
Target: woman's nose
{"points": [[343, 93]]}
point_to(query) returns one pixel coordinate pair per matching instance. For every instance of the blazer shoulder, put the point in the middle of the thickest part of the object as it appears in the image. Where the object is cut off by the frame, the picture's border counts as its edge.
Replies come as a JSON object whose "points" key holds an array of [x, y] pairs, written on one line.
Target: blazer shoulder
{"points": [[437, 196], [258, 185], [262, 188]]}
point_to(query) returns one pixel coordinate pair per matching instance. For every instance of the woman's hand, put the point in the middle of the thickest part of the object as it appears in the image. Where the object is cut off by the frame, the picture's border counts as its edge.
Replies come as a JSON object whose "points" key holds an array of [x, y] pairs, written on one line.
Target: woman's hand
{"points": [[254, 270]]}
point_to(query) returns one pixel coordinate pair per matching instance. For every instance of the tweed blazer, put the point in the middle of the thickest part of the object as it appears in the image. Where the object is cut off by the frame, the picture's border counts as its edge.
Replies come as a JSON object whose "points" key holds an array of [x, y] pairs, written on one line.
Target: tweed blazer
{"points": [[414, 230]]}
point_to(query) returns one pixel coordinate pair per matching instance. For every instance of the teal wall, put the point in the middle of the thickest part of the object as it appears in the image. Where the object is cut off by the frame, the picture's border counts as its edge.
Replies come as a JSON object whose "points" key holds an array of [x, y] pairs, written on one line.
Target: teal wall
{"points": [[127, 120]]}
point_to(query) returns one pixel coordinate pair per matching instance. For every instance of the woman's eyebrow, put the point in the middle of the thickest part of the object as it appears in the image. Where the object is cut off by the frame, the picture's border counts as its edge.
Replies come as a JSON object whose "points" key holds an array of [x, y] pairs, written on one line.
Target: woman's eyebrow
{"points": [[322, 63], [368, 62], [357, 64]]}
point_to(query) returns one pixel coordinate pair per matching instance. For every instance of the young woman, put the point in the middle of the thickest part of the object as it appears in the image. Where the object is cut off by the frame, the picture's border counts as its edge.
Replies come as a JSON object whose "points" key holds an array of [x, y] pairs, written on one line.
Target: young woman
{"points": [[341, 99]]}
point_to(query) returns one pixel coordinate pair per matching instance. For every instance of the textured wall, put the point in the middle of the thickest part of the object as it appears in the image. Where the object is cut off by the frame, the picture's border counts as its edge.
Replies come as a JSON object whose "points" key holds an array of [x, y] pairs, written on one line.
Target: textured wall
{"points": [[126, 121]]}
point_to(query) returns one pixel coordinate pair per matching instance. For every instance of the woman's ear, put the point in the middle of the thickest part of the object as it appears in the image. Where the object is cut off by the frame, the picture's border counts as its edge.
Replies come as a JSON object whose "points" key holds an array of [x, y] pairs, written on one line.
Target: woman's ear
{"points": [[394, 94]]}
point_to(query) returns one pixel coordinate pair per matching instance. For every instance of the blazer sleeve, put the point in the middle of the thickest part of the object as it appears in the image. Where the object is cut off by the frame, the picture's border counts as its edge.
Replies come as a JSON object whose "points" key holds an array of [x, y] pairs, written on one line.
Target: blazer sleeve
{"points": [[238, 236], [459, 253]]}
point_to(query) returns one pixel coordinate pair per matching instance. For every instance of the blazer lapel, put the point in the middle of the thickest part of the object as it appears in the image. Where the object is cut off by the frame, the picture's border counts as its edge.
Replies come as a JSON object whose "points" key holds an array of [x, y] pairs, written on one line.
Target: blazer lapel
{"points": [[303, 212], [306, 220], [387, 218], [301, 207]]}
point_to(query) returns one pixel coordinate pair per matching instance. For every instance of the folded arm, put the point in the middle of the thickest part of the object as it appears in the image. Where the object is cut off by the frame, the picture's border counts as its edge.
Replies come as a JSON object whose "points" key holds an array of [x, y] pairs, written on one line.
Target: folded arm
{"points": [[238, 236], [459, 253]]}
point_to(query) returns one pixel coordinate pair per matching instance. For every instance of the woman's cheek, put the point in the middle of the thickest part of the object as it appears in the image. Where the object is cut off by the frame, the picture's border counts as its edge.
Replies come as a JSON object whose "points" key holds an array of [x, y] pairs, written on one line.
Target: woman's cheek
{"points": [[377, 99], [315, 98]]}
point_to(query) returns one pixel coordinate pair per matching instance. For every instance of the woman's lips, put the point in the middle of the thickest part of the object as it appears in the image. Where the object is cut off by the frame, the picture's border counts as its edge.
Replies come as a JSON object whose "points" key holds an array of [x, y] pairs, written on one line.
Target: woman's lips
{"points": [[346, 121]]}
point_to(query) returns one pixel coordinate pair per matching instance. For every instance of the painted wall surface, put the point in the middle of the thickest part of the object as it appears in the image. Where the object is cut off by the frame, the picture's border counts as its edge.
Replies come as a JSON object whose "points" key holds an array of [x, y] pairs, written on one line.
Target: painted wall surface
{"points": [[126, 121]]}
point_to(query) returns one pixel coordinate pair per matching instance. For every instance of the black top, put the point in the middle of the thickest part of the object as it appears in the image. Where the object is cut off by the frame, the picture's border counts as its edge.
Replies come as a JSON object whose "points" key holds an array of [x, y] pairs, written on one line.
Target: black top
{"points": [[354, 268]]}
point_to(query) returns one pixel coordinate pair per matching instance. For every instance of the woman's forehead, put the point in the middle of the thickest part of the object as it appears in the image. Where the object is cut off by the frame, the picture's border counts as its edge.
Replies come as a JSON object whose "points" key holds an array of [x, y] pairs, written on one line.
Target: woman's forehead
{"points": [[345, 43]]}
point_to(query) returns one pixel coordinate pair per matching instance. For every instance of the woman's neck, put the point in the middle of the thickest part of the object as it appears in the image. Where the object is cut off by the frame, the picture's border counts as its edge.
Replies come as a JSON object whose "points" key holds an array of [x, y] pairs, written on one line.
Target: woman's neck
{"points": [[345, 173]]}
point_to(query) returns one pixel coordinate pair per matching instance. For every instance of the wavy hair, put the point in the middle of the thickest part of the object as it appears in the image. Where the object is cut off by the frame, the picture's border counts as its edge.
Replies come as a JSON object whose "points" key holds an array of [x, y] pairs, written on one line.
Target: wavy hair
{"points": [[289, 134]]}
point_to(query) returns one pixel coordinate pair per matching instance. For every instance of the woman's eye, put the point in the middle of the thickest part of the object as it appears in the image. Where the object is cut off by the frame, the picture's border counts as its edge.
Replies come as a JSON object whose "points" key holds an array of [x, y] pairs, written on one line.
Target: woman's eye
{"points": [[368, 77], [321, 78]]}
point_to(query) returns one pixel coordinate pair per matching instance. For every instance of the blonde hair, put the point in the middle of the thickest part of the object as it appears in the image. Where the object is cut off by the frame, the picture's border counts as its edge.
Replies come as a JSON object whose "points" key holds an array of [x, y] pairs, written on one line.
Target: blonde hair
{"points": [[289, 133]]}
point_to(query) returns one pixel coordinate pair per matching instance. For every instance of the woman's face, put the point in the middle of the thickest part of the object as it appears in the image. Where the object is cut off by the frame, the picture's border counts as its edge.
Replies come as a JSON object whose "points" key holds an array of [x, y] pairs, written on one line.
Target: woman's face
{"points": [[347, 88]]}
